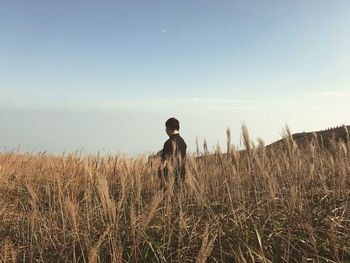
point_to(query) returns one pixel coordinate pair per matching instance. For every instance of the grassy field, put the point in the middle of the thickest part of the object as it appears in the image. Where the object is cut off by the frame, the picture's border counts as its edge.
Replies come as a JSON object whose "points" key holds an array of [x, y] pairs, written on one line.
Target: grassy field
{"points": [[286, 204]]}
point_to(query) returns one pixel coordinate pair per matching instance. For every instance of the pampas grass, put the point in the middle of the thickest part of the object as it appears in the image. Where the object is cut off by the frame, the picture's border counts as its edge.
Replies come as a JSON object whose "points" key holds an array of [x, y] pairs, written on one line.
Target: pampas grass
{"points": [[282, 204]]}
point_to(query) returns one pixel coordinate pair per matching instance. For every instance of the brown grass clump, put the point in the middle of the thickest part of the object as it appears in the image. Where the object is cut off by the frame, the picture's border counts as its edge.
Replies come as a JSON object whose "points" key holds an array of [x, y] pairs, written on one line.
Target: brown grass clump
{"points": [[284, 204]]}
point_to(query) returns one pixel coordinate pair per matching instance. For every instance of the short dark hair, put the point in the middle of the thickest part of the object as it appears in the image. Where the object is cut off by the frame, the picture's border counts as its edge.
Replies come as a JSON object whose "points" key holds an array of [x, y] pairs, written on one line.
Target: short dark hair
{"points": [[172, 124]]}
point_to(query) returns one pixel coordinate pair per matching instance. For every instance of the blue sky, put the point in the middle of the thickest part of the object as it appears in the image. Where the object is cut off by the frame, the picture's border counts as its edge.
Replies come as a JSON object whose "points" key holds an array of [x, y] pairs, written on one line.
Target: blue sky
{"points": [[105, 75]]}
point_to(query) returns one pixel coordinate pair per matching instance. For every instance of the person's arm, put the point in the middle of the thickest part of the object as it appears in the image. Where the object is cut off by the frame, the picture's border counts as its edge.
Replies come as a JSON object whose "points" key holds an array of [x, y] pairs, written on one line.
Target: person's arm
{"points": [[166, 152]]}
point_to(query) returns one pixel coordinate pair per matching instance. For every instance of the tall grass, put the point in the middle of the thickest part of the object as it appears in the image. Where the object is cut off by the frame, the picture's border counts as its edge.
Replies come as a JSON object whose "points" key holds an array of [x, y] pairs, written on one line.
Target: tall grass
{"points": [[285, 204]]}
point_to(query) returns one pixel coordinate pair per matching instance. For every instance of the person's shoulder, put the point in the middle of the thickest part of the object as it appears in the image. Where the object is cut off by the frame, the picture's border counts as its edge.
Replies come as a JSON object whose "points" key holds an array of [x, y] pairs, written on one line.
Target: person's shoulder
{"points": [[167, 142], [181, 138]]}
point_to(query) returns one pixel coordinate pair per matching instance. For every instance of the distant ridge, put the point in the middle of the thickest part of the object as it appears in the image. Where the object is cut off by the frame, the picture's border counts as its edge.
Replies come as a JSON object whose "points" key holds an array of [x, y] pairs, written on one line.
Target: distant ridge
{"points": [[324, 137]]}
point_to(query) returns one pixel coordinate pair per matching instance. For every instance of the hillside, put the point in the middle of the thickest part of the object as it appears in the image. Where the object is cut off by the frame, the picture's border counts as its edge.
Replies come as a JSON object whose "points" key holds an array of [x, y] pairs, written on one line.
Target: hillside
{"points": [[324, 137]]}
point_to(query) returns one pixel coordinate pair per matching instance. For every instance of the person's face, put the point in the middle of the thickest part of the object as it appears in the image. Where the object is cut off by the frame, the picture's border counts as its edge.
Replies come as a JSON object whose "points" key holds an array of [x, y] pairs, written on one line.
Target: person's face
{"points": [[168, 131]]}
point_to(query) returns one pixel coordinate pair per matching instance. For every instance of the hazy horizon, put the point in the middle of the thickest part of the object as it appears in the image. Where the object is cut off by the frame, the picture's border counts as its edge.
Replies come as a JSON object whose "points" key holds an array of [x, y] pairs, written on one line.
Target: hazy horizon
{"points": [[105, 77]]}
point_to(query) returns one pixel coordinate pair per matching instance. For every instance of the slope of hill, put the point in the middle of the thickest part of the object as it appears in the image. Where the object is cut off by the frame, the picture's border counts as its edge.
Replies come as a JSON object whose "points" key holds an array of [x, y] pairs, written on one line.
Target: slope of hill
{"points": [[324, 137]]}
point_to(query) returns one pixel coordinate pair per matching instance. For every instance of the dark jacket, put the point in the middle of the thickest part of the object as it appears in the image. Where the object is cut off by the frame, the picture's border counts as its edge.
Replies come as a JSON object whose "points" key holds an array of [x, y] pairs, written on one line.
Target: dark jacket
{"points": [[174, 150]]}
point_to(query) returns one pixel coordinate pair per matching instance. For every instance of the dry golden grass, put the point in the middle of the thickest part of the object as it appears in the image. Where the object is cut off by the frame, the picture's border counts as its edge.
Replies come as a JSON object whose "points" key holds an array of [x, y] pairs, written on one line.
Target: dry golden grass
{"points": [[277, 205]]}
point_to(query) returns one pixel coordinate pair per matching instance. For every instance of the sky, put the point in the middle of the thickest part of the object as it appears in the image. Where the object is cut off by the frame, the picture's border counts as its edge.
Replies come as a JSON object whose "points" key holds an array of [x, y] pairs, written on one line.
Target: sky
{"points": [[104, 76]]}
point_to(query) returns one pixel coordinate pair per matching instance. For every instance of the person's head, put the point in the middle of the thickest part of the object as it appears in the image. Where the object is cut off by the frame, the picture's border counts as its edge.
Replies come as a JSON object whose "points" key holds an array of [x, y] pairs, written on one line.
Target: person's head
{"points": [[172, 126]]}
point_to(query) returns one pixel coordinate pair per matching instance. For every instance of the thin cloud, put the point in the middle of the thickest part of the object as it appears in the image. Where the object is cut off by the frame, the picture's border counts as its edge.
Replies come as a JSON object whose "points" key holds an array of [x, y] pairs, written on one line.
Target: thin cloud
{"points": [[182, 103], [164, 30], [242, 101], [329, 94], [157, 104]]}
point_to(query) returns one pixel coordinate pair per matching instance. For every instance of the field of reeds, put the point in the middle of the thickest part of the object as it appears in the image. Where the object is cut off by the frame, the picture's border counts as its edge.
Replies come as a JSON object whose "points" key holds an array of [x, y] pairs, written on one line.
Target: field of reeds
{"points": [[284, 204]]}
